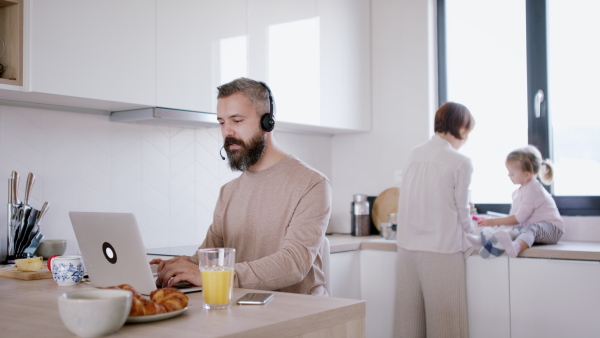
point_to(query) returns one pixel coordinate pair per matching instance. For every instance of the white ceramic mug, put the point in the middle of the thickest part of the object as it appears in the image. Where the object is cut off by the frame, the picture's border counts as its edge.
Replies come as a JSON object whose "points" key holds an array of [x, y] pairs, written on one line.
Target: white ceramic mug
{"points": [[67, 270]]}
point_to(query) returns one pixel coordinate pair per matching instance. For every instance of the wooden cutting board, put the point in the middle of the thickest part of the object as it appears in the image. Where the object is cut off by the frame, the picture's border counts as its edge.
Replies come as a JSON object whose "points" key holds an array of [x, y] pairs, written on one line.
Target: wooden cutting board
{"points": [[12, 272]]}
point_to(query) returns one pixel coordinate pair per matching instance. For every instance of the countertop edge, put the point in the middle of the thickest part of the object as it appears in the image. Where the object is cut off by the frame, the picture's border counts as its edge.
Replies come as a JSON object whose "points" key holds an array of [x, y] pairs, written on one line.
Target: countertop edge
{"points": [[587, 251], [298, 326]]}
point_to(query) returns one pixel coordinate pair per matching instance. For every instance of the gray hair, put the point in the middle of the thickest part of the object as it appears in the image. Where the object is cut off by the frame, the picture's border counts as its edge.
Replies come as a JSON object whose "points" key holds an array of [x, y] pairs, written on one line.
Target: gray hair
{"points": [[254, 91]]}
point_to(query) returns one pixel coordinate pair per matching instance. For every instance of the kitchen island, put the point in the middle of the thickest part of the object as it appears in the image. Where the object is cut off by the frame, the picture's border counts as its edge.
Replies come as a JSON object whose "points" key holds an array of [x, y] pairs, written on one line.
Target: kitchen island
{"points": [[30, 309]]}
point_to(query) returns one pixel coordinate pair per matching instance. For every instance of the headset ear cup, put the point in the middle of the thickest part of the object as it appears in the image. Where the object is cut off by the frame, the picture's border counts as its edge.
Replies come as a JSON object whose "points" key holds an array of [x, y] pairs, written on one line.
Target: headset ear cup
{"points": [[267, 123]]}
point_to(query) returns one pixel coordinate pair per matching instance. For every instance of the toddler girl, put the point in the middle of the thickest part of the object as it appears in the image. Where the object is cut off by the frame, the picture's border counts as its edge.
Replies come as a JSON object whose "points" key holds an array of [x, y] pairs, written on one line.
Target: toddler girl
{"points": [[533, 213]]}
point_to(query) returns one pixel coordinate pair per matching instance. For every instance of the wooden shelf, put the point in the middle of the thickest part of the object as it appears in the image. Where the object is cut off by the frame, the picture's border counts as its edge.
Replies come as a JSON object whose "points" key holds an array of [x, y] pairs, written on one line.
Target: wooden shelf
{"points": [[5, 3], [11, 32]]}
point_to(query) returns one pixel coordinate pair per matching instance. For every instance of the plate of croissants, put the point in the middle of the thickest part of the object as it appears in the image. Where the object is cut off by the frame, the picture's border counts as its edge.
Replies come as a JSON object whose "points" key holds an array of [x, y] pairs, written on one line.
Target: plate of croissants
{"points": [[163, 304]]}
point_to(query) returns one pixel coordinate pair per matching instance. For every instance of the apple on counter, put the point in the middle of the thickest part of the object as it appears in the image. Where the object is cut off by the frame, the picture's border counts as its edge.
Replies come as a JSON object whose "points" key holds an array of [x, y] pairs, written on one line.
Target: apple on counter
{"points": [[29, 264]]}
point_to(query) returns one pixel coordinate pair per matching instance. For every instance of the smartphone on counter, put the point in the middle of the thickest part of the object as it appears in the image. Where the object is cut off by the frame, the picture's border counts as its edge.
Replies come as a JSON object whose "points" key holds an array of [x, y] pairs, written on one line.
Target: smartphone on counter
{"points": [[255, 299]]}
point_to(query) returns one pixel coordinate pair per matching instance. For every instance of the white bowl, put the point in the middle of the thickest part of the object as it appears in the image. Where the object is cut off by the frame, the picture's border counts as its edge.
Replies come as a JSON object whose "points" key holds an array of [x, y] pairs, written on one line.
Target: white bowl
{"points": [[51, 247], [94, 312]]}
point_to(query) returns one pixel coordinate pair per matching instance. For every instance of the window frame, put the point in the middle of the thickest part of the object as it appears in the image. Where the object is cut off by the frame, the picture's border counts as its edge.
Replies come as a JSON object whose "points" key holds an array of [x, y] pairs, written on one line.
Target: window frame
{"points": [[539, 129]]}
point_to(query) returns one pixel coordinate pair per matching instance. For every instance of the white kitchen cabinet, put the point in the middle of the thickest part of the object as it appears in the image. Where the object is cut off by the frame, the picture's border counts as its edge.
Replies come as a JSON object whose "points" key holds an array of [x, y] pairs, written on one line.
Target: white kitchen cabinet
{"points": [[378, 288], [102, 50], [345, 64], [345, 274], [201, 44], [488, 297], [315, 55], [284, 52], [114, 55], [554, 298]]}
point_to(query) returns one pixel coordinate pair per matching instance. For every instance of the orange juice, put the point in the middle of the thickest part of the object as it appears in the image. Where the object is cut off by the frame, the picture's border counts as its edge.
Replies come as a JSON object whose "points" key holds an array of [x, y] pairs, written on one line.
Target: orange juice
{"points": [[217, 285]]}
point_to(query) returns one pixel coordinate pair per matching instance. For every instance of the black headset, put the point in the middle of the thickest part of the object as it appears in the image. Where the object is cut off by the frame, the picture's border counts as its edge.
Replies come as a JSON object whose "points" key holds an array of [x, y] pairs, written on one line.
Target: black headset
{"points": [[267, 122]]}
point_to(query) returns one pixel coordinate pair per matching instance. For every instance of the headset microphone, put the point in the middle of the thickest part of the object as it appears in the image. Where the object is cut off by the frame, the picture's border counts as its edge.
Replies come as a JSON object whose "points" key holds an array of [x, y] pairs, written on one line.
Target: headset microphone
{"points": [[222, 157]]}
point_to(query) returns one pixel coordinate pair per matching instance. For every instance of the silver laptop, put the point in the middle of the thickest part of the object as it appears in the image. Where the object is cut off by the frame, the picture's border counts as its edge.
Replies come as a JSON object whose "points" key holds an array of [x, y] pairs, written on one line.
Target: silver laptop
{"points": [[113, 251]]}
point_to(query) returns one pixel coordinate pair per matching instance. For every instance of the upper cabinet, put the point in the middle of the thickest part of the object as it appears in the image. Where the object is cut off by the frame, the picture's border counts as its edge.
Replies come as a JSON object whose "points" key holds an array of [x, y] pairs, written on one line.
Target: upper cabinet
{"points": [[11, 42], [102, 50], [345, 64], [315, 55], [285, 52], [200, 45]]}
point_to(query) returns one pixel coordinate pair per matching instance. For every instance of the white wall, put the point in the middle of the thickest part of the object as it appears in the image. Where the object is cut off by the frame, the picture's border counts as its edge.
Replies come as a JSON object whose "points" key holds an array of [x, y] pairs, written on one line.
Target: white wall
{"points": [[403, 79], [168, 176]]}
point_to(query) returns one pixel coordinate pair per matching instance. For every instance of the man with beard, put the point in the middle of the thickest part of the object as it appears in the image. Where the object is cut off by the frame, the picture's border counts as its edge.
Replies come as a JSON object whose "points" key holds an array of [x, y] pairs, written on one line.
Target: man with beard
{"points": [[274, 215]]}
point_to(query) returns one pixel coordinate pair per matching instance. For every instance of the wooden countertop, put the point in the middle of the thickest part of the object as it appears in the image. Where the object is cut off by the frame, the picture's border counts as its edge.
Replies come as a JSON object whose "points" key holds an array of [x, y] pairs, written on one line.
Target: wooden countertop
{"points": [[30, 309], [589, 251]]}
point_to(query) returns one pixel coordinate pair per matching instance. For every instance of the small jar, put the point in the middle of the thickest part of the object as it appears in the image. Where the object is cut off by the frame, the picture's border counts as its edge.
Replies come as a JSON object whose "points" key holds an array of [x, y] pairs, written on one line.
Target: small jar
{"points": [[385, 229], [388, 229]]}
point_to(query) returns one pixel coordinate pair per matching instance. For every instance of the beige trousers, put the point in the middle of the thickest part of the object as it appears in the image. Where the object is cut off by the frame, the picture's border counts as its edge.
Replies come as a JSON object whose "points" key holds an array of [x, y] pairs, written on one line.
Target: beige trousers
{"points": [[431, 298]]}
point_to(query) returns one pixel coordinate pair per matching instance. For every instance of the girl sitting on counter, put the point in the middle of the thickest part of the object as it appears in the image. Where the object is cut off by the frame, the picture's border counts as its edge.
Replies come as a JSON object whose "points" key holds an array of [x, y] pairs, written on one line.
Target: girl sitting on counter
{"points": [[533, 214]]}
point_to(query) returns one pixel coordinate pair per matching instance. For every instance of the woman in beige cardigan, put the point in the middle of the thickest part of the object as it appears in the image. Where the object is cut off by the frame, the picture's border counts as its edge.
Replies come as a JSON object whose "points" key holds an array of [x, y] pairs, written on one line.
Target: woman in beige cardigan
{"points": [[433, 220]]}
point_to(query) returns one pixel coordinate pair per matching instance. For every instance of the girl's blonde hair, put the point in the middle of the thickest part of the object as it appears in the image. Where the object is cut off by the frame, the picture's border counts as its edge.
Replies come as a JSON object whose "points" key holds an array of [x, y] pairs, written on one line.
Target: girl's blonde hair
{"points": [[531, 161]]}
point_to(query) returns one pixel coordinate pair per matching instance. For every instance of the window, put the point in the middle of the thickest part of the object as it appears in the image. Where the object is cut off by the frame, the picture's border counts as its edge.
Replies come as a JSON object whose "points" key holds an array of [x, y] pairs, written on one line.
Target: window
{"points": [[527, 70], [573, 73]]}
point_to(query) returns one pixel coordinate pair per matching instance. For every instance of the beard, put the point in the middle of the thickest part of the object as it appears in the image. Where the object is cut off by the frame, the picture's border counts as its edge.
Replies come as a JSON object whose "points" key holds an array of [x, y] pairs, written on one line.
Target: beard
{"points": [[249, 153]]}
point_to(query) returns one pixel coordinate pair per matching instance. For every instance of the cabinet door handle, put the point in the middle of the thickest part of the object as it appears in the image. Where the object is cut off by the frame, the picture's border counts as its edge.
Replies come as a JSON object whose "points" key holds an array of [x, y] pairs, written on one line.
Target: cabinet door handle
{"points": [[539, 98]]}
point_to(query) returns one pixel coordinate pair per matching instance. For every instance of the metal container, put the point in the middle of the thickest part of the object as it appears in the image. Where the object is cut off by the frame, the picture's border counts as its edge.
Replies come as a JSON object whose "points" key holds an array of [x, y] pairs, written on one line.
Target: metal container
{"points": [[361, 219]]}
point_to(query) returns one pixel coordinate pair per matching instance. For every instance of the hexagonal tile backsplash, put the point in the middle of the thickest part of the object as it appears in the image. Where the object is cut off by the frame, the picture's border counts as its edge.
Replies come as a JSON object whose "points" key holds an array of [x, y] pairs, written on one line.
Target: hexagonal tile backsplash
{"points": [[169, 177]]}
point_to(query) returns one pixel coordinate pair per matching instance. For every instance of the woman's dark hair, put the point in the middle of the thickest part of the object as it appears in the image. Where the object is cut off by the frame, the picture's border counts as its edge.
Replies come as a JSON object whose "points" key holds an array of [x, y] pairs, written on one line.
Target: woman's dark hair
{"points": [[452, 118]]}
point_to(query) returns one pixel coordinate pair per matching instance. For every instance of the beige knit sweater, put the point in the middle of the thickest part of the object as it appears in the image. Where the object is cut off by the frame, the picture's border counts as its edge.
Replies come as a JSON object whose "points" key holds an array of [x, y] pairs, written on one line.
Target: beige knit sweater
{"points": [[276, 220]]}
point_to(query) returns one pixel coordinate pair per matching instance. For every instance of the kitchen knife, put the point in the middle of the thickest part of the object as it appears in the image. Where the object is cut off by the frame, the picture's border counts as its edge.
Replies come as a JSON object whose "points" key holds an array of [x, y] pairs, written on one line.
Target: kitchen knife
{"points": [[15, 204], [22, 216], [31, 216], [10, 211], [28, 187], [26, 217], [41, 214], [36, 224], [35, 242], [26, 227], [10, 250], [15, 188]]}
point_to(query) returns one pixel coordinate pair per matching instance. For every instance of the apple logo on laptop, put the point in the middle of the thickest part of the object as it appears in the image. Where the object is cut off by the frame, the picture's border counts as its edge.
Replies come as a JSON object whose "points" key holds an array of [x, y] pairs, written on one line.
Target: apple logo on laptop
{"points": [[109, 252]]}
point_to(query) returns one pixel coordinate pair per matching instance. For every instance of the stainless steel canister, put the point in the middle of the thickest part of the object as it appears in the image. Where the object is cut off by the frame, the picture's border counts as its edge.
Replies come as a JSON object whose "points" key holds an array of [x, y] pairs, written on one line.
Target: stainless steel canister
{"points": [[361, 219]]}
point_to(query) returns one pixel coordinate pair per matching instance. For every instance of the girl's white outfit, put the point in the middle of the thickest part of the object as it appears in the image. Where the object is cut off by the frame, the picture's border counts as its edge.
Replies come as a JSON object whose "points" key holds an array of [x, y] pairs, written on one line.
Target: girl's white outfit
{"points": [[433, 221], [537, 214]]}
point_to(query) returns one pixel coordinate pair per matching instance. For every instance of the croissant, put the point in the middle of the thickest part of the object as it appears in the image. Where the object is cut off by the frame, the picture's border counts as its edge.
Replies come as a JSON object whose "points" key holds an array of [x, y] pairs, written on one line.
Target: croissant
{"points": [[171, 298], [140, 305], [125, 287]]}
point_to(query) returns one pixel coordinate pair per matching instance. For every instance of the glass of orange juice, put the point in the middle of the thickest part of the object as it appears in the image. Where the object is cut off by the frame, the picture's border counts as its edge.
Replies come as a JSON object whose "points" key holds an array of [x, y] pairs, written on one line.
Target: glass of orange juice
{"points": [[216, 267]]}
